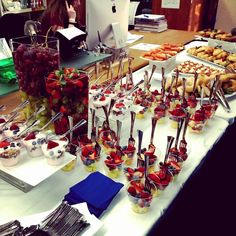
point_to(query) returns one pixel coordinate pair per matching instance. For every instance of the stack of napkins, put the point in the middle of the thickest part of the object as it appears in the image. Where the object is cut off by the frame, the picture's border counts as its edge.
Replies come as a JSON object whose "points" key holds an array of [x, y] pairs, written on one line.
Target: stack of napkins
{"points": [[97, 190]]}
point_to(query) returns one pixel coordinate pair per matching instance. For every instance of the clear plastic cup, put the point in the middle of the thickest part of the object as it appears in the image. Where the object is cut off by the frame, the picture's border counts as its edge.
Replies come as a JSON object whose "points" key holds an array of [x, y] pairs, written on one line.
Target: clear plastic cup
{"points": [[140, 197]]}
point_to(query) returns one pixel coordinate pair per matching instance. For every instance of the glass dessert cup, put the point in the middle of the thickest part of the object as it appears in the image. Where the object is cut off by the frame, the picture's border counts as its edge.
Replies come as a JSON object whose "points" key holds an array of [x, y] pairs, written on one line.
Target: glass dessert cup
{"points": [[73, 150], [140, 198], [160, 179], [13, 129], [90, 155], [9, 153], [175, 119], [196, 126], [128, 155], [152, 160], [114, 165], [33, 143], [108, 140], [134, 173], [54, 149]]}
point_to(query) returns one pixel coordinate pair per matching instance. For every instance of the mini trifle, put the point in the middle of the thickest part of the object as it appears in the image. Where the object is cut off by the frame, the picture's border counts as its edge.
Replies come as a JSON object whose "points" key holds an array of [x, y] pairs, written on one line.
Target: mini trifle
{"points": [[159, 112], [152, 157], [114, 164], [139, 196], [54, 150], [33, 143], [209, 108], [101, 100], [192, 103], [108, 139], [134, 173], [128, 154], [122, 106], [9, 152], [161, 178], [176, 115], [90, 155], [13, 129], [197, 121]]}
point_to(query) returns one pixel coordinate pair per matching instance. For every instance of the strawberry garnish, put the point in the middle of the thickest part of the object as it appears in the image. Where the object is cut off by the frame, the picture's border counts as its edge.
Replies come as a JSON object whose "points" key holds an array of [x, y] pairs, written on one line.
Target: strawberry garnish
{"points": [[52, 144], [102, 98], [4, 144], [2, 120], [14, 127], [30, 136], [119, 105]]}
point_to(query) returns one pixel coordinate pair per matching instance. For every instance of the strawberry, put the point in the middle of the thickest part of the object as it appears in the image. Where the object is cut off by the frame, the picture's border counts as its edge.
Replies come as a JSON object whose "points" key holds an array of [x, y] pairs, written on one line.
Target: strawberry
{"points": [[119, 105], [2, 120], [4, 144], [102, 98], [30, 136], [14, 127], [52, 144], [131, 191]]}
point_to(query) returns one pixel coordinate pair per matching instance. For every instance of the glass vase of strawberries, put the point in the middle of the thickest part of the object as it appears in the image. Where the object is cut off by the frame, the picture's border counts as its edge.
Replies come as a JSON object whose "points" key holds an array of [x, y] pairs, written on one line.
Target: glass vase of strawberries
{"points": [[68, 94], [34, 58]]}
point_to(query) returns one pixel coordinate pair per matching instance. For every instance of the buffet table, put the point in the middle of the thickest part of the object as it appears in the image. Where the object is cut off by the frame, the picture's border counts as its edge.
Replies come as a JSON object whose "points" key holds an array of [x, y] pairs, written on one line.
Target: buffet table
{"points": [[119, 217]]}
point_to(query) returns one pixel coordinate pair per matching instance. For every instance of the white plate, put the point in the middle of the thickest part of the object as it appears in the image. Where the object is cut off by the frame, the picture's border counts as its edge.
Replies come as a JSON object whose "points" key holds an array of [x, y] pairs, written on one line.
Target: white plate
{"points": [[33, 170]]}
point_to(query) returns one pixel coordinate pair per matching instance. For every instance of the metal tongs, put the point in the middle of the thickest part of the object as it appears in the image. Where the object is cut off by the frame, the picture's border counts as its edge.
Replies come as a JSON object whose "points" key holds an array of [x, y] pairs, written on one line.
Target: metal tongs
{"points": [[219, 93]]}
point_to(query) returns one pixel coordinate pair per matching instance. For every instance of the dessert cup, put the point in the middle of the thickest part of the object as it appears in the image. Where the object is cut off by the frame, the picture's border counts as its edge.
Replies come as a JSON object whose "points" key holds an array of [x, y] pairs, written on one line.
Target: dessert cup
{"points": [[33, 143], [54, 149], [133, 173], [73, 150], [90, 155], [140, 198], [108, 140], [128, 155], [9, 153]]}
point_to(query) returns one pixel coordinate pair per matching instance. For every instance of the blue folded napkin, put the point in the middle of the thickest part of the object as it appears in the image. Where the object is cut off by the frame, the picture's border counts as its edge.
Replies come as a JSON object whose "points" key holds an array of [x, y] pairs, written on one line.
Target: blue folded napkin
{"points": [[97, 190]]}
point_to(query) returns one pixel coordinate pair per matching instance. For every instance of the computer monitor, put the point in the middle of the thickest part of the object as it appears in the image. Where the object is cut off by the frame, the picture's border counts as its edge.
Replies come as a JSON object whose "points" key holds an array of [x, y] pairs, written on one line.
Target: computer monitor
{"points": [[100, 14]]}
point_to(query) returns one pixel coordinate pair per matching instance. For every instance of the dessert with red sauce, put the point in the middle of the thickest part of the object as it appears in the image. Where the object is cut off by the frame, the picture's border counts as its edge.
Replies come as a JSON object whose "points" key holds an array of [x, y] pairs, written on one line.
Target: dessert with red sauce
{"points": [[139, 196], [114, 164], [197, 121], [134, 173], [176, 115]]}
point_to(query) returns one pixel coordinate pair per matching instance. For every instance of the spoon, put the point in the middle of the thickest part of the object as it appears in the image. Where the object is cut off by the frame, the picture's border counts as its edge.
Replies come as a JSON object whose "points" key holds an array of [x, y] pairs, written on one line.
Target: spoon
{"points": [[170, 140], [140, 139], [152, 72], [131, 140]]}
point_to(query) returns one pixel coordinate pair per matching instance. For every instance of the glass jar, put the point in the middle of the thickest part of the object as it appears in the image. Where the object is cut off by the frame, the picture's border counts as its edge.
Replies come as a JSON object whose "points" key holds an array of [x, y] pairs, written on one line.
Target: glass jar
{"points": [[34, 58]]}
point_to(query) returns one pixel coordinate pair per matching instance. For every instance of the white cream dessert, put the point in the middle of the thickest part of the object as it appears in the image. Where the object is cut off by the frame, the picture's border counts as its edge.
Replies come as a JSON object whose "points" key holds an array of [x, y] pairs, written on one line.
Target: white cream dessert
{"points": [[122, 106], [101, 100], [9, 153], [33, 142], [54, 150], [13, 130]]}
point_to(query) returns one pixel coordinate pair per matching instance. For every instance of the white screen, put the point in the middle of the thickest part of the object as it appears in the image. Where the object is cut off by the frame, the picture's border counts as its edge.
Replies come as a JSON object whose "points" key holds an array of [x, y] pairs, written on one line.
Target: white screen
{"points": [[99, 17]]}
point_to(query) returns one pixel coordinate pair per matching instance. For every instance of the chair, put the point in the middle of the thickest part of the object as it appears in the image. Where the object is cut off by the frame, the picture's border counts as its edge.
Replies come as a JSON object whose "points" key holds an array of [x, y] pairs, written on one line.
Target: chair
{"points": [[12, 25]]}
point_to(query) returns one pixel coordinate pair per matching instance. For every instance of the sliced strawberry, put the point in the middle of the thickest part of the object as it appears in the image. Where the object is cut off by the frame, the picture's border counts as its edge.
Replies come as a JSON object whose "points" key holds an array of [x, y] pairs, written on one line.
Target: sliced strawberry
{"points": [[14, 127], [102, 98], [30, 136], [131, 190], [52, 144], [2, 120], [119, 105], [4, 144]]}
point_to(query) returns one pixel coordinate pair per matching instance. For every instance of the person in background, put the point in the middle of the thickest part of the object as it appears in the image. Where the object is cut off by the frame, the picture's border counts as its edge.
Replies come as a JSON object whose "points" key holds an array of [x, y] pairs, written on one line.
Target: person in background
{"points": [[60, 14]]}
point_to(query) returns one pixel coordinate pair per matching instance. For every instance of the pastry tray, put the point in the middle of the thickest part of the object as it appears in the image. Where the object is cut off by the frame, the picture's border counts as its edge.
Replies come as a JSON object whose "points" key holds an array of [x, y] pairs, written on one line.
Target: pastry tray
{"points": [[30, 171]]}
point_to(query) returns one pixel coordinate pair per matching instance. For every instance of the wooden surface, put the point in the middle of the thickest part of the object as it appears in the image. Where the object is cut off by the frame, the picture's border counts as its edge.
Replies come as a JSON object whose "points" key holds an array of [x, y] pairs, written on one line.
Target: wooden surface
{"points": [[169, 36]]}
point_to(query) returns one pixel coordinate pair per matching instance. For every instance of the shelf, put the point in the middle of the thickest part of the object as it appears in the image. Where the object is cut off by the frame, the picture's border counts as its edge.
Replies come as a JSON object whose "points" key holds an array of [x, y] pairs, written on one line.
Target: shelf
{"points": [[26, 10]]}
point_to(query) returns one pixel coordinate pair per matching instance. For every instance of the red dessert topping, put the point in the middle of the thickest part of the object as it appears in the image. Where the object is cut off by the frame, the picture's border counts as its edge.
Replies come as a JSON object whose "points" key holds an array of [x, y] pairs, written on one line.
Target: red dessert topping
{"points": [[30, 136], [52, 144], [4, 144], [14, 127]]}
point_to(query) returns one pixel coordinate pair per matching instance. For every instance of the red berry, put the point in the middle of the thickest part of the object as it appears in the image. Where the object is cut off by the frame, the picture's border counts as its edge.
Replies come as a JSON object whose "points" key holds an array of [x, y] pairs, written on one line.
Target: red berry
{"points": [[52, 144], [30, 136], [102, 98], [2, 120], [14, 127], [4, 144]]}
